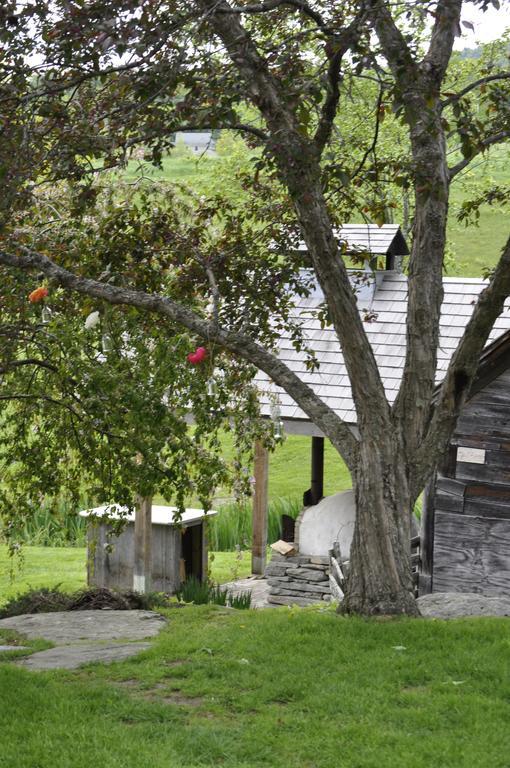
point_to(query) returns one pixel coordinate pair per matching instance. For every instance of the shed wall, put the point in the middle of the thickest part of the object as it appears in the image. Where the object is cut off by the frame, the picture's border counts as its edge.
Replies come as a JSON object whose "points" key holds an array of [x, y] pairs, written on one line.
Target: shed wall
{"points": [[471, 510], [115, 569]]}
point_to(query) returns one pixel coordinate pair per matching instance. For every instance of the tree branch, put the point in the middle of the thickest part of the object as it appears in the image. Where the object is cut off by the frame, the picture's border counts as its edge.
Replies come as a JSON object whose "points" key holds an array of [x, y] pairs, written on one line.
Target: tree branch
{"points": [[271, 5], [243, 346], [244, 127], [299, 171], [46, 398], [475, 84], [446, 29], [394, 45], [336, 50], [485, 144], [28, 361], [375, 139]]}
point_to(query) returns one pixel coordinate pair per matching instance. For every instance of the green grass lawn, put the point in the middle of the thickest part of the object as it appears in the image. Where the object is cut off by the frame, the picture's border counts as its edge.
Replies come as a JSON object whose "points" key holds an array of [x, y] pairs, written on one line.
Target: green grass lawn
{"points": [[479, 247], [49, 566], [280, 688], [289, 467]]}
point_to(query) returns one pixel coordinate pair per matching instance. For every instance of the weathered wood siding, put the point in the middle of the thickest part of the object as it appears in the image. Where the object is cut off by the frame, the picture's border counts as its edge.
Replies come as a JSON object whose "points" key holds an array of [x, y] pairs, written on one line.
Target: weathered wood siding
{"points": [[471, 509], [115, 569]]}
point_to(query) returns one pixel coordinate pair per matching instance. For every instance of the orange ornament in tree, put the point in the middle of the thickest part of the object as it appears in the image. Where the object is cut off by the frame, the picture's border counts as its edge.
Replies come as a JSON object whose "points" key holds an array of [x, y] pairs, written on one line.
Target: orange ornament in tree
{"points": [[38, 295]]}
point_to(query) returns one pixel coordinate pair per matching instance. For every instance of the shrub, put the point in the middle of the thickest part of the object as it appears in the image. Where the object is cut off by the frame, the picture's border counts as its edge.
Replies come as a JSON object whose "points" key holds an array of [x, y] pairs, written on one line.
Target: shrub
{"points": [[194, 591], [201, 592], [242, 601], [47, 600], [61, 528]]}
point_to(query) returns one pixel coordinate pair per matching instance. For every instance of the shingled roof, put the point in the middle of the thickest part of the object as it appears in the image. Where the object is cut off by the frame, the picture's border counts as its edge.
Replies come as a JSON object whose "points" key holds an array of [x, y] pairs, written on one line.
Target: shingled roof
{"points": [[386, 296], [386, 240]]}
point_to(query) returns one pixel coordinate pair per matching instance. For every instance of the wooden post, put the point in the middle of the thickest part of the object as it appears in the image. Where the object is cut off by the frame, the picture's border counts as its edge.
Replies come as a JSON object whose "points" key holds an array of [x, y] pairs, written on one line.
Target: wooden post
{"points": [[142, 569], [260, 508], [317, 486], [427, 537]]}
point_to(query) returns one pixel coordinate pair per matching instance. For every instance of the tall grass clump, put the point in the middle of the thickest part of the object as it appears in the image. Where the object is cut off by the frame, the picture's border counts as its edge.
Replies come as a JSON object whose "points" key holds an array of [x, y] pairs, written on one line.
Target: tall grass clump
{"points": [[231, 528], [61, 528]]}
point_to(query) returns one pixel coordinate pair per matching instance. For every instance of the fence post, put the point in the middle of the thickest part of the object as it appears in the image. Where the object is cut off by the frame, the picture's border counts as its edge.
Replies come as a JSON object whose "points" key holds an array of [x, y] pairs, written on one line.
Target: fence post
{"points": [[260, 509], [142, 570]]}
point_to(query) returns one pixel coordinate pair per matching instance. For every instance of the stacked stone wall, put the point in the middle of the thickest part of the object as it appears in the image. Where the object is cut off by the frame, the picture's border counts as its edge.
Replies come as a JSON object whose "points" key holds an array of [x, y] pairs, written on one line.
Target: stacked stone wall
{"points": [[298, 580]]}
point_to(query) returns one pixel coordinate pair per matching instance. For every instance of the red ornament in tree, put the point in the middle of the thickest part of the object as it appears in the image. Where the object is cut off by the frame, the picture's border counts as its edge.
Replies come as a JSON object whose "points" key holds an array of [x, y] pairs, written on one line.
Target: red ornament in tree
{"points": [[198, 356]]}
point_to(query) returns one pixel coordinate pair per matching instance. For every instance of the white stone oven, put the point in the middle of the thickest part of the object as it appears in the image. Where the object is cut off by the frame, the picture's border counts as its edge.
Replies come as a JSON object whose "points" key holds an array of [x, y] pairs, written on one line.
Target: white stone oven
{"points": [[322, 542]]}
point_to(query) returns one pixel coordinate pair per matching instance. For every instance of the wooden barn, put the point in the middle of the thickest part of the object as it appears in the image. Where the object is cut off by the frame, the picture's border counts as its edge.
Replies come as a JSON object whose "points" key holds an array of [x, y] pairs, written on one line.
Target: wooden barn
{"points": [[465, 537]]}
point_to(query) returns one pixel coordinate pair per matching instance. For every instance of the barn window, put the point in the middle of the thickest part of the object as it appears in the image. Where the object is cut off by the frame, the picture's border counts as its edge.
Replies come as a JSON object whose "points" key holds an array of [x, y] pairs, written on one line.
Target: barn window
{"points": [[470, 455]]}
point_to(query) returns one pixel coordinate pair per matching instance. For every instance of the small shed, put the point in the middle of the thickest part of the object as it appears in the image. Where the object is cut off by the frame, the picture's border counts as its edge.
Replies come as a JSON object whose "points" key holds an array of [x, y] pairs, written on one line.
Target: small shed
{"points": [[178, 547], [465, 544]]}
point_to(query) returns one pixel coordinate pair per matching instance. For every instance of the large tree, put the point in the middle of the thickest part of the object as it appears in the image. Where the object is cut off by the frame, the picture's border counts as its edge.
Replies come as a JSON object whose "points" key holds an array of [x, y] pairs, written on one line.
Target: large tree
{"points": [[85, 82]]}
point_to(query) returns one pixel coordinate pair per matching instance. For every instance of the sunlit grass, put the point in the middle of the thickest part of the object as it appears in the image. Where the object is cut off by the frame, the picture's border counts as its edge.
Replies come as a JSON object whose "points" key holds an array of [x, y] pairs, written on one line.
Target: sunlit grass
{"points": [[273, 689]]}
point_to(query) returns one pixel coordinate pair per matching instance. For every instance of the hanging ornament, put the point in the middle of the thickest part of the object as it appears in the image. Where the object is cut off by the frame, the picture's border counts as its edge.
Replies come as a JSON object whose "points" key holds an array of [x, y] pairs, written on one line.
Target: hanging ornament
{"points": [[106, 343], [45, 315], [276, 412], [212, 388], [38, 295], [197, 357], [92, 320], [276, 418]]}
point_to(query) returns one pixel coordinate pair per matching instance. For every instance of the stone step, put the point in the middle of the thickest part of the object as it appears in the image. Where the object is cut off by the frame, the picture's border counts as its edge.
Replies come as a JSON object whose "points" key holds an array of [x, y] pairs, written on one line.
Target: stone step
{"points": [[296, 593], [306, 574], [282, 600]]}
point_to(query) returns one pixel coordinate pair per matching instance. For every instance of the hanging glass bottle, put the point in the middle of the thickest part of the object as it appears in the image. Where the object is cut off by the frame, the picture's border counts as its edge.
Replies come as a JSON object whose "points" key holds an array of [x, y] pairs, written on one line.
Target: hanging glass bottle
{"points": [[106, 343], [45, 315], [276, 418], [212, 388]]}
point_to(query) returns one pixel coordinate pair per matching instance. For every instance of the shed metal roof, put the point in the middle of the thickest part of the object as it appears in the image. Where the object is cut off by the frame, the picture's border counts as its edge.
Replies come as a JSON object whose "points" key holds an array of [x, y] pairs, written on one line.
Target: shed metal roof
{"points": [[387, 335], [161, 515]]}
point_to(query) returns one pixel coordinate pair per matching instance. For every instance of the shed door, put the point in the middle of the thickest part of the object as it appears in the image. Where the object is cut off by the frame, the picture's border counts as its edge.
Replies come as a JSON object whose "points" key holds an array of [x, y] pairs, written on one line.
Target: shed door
{"points": [[192, 551]]}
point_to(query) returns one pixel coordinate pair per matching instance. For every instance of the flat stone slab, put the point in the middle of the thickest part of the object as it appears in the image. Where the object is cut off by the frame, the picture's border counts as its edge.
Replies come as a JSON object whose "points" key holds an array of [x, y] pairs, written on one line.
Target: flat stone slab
{"points": [[4, 648], [73, 656], [64, 627], [455, 605], [259, 589]]}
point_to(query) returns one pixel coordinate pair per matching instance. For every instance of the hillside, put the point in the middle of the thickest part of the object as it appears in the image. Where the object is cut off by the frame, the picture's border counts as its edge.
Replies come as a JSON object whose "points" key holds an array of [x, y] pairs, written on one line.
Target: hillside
{"points": [[474, 247]]}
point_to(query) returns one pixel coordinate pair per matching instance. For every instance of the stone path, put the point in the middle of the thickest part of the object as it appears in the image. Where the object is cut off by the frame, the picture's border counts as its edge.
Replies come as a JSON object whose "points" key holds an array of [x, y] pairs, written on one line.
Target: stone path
{"points": [[73, 656], [85, 636], [4, 648], [455, 605]]}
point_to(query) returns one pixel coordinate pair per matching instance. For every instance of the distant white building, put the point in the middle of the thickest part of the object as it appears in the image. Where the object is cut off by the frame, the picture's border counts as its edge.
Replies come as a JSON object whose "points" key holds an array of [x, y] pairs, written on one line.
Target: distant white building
{"points": [[199, 142]]}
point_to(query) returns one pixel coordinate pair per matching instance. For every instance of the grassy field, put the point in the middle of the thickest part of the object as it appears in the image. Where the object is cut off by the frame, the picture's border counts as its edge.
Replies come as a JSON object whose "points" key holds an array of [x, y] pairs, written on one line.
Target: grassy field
{"points": [[474, 247], [479, 247], [49, 566], [289, 468], [273, 689]]}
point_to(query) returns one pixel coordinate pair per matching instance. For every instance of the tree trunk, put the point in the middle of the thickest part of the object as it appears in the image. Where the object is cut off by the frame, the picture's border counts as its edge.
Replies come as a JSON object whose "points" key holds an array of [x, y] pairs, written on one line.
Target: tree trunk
{"points": [[380, 579]]}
